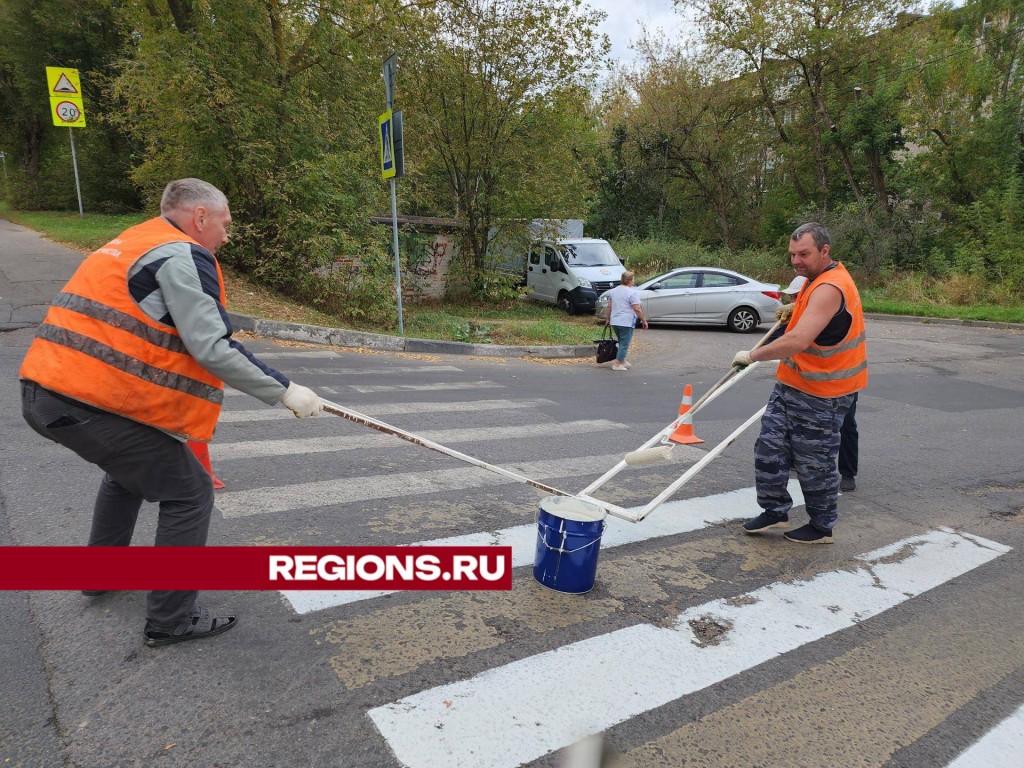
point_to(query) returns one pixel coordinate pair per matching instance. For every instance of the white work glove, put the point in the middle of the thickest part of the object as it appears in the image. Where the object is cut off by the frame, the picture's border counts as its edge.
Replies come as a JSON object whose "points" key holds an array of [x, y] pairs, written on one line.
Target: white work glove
{"points": [[302, 401], [783, 313], [742, 359]]}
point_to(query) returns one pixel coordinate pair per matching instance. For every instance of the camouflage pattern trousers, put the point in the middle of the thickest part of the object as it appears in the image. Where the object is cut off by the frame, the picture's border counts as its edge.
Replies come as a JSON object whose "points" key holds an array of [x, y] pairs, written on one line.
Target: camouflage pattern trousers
{"points": [[800, 432]]}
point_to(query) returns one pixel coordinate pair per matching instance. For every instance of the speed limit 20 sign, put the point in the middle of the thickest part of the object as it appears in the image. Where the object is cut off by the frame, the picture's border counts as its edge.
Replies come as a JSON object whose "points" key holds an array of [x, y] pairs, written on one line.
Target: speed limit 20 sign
{"points": [[66, 109]]}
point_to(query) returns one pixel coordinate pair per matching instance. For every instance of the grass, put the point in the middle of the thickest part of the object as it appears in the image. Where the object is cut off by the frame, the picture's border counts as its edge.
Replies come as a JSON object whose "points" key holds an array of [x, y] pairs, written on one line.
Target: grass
{"points": [[531, 323], [986, 312], [86, 233]]}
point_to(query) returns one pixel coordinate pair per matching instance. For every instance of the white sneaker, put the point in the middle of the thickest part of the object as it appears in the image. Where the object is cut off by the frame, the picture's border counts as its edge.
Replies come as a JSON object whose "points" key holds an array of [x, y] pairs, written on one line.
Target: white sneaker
{"points": [[617, 367], [628, 365]]}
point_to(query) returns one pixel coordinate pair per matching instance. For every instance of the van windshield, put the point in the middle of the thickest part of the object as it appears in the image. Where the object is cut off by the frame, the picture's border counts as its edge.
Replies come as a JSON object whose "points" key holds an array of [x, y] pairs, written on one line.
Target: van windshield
{"points": [[589, 254]]}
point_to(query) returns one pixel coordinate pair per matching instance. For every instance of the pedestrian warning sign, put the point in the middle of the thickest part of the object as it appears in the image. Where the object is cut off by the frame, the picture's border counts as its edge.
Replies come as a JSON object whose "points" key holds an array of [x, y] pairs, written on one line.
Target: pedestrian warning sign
{"points": [[387, 146], [65, 87]]}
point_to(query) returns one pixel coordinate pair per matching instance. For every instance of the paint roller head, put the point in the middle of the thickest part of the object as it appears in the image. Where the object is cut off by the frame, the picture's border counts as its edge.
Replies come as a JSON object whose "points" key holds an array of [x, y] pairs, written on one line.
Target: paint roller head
{"points": [[647, 456]]}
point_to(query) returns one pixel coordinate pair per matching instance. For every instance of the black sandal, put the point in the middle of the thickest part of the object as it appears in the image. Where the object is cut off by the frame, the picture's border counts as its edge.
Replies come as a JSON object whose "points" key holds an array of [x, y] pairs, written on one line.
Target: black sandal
{"points": [[199, 624]]}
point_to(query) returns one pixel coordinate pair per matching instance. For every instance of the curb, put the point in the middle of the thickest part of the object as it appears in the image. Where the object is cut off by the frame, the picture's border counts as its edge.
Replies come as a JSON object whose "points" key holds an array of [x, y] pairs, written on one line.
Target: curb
{"points": [[339, 337]]}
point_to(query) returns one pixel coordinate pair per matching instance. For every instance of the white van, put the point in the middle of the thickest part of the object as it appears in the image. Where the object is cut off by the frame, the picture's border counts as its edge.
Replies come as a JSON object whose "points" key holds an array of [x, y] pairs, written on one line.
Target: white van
{"points": [[572, 273]]}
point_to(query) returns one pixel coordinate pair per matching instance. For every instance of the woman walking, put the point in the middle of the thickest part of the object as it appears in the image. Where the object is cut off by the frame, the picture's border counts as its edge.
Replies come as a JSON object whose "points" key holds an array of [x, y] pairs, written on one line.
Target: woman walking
{"points": [[623, 311]]}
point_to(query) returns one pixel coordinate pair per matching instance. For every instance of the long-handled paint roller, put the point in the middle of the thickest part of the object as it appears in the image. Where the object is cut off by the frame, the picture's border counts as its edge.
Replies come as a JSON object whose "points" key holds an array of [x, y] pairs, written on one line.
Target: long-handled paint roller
{"points": [[612, 509], [692, 471], [734, 375], [658, 448], [380, 426]]}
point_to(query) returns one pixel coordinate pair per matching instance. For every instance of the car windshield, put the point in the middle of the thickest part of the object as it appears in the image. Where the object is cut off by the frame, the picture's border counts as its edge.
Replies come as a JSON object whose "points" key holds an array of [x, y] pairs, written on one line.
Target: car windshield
{"points": [[590, 254]]}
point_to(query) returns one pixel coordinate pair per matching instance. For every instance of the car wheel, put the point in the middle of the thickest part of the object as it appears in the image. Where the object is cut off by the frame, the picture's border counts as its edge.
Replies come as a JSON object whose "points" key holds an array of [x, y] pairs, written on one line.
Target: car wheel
{"points": [[565, 303], [743, 320]]}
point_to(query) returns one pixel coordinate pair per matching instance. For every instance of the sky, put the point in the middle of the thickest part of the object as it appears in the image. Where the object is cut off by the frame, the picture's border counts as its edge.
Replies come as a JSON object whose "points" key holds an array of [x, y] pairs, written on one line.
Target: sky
{"points": [[625, 18]]}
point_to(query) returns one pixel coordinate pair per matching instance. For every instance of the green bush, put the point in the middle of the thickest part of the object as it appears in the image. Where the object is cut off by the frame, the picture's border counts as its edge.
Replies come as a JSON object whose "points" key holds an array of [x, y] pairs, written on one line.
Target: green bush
{"points": [[652, 256]]}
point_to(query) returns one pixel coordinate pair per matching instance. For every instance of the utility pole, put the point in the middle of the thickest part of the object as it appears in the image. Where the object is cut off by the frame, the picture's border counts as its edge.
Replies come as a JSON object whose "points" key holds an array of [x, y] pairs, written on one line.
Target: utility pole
{"points": [[392, 162], [74, 162]]}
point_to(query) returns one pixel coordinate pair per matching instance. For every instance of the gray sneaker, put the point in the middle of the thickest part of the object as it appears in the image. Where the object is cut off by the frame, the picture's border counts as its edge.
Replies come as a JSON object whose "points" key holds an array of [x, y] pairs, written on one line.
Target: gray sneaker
{"points": [[847, 484]]}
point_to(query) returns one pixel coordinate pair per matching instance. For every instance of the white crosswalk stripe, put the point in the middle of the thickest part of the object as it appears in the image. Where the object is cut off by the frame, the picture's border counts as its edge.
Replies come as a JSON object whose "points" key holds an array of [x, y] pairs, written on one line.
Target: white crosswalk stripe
{"points": [[1002, 747], [671, 519], [324, 354], [389, 409], [258, 501], [494, 720], [248, 449], [425, 387], [380, 371]]}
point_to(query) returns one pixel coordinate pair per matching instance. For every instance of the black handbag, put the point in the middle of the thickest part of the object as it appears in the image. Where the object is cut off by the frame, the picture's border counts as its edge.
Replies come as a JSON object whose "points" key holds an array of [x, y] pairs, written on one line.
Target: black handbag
{"points": [[607, 348]]}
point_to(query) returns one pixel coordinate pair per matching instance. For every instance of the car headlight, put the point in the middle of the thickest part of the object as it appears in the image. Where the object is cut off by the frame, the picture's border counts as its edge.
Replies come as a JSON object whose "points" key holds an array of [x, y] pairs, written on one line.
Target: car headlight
{"points": [[584, 283]]}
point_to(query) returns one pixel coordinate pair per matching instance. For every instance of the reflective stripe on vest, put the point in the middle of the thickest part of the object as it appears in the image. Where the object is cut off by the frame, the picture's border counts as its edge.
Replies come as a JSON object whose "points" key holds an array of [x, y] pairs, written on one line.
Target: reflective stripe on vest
{"points": [[836, 370], [129, 364], [111, 316], [98, 346]]}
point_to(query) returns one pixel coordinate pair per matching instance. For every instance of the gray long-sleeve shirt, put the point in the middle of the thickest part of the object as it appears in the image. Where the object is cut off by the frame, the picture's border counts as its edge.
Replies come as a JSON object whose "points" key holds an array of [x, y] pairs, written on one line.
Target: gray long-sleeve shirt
{"points": [[177, 284]]}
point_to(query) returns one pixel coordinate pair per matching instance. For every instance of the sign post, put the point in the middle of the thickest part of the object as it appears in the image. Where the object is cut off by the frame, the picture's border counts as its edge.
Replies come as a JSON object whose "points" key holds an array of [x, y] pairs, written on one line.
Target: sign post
{"points": [[66, 109], [389, 167]]}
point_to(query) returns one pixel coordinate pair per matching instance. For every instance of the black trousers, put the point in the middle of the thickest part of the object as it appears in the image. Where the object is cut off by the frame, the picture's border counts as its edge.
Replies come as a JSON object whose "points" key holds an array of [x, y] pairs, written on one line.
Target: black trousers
{"points": [[140, 463], [848, 442]]}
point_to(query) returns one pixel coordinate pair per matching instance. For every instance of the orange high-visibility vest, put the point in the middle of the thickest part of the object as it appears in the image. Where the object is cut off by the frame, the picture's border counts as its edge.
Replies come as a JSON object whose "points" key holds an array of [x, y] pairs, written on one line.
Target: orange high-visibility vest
{"points": [[96, 345], [841, 369]]}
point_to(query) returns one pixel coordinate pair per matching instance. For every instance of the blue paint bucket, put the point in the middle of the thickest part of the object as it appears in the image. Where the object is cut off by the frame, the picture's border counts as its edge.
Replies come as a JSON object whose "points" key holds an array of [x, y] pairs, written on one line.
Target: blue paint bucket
{"points": [[568, 541]]}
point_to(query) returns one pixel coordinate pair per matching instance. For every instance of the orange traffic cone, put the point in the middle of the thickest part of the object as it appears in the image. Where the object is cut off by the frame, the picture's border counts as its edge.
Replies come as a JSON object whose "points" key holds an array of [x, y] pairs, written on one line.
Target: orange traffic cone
{"points": [[684, 432], [202, 452]]}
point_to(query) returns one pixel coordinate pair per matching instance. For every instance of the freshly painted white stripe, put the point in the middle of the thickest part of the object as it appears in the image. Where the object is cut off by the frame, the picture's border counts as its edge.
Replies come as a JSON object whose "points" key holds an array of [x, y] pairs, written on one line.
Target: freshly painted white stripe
{"points": [[381, 371], [427, 387], [247, 449], [1002, 747], [670, 519], [383, 409], [324, 493], [323, 353], [524, 710]]}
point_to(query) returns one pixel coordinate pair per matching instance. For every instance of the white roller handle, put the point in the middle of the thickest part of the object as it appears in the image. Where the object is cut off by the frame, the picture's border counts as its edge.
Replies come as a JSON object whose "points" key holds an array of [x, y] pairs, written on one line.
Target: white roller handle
{"points": [[734, 375], [696, 468], [380, 426], [369, 421]]}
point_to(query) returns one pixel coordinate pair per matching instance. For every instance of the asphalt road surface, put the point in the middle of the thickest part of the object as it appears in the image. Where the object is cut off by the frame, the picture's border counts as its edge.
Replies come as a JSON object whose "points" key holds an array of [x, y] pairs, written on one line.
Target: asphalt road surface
{"points": [[902, 644]]}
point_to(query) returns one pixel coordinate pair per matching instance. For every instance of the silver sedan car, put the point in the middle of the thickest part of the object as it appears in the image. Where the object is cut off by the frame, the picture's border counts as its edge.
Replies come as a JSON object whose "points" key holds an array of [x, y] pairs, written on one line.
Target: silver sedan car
{"points": [[705, 296]]}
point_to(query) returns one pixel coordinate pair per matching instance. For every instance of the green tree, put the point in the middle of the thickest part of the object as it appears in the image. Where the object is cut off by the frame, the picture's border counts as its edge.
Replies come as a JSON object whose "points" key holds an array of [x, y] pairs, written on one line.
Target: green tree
{"points": [[965, 105], [86, 36], [803, 52], [275, 103], [498, 119]]}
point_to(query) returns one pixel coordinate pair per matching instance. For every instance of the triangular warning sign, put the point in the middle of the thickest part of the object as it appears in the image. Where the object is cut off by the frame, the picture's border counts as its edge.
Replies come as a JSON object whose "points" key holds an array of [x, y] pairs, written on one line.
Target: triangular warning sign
{"points": [[64, 85]]}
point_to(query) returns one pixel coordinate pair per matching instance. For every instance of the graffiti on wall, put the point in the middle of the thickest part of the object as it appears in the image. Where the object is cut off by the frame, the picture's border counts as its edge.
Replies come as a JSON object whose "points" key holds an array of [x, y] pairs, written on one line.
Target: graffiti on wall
{"points": [[425, 254]]}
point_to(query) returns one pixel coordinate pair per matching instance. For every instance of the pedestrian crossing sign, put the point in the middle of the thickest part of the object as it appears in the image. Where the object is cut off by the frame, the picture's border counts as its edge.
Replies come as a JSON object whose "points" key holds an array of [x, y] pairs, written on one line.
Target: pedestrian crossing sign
{"points": [[387, 146], [65, 90]]}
